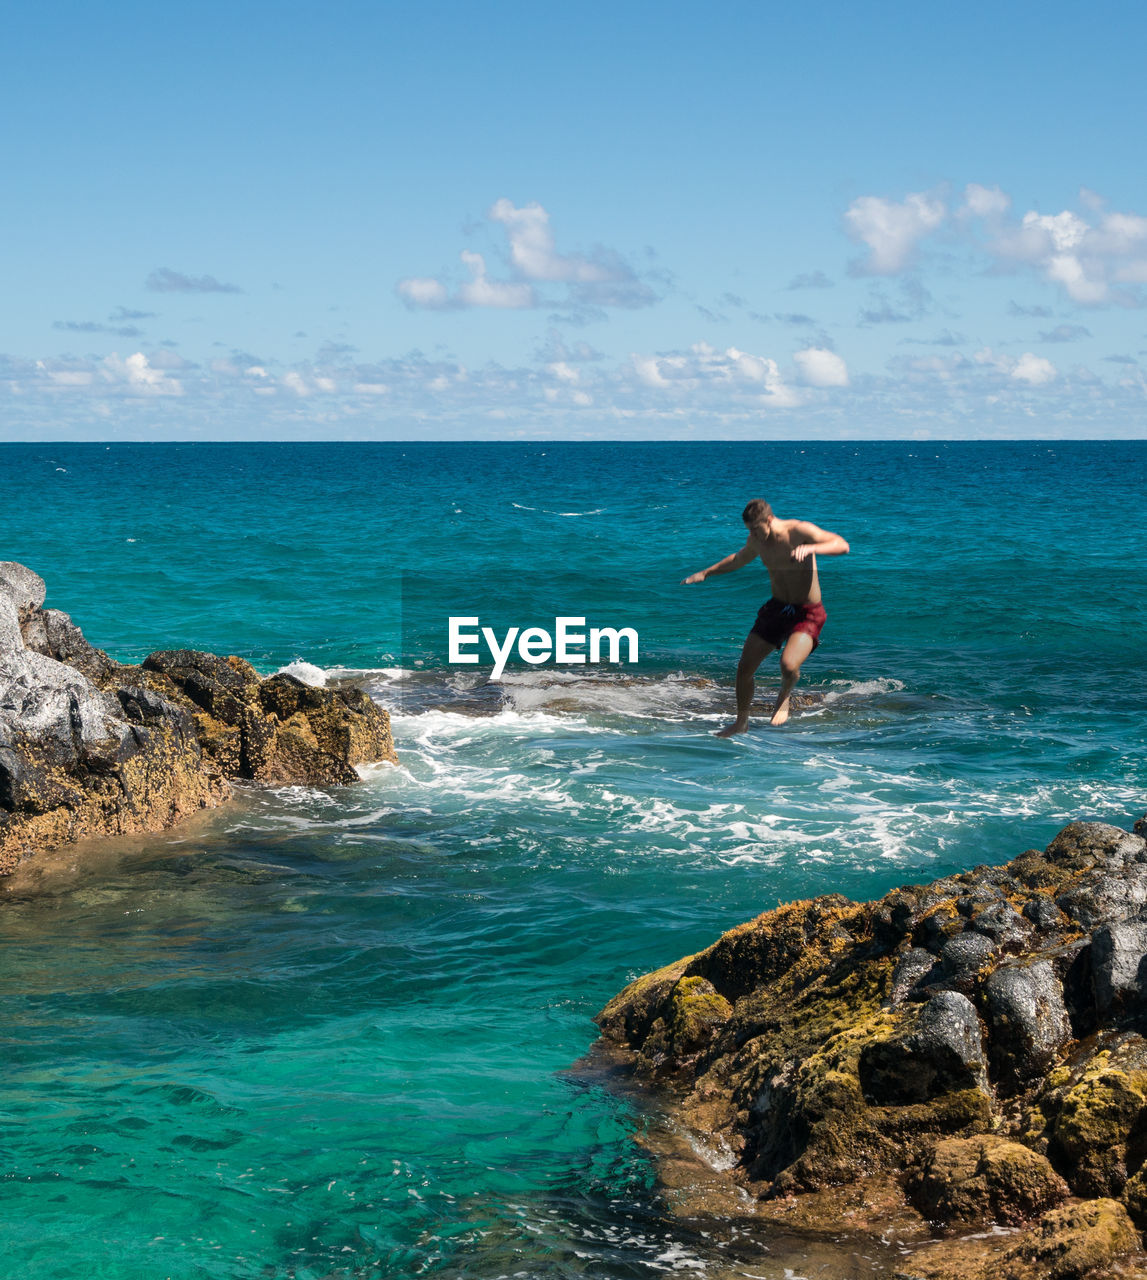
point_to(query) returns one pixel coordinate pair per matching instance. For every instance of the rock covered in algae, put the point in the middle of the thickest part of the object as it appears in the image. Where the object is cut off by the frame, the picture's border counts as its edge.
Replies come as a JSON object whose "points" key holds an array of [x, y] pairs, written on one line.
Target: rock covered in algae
{"points": [[90, 746], [1075, 1241], [976, 1045], [964, 1181]]}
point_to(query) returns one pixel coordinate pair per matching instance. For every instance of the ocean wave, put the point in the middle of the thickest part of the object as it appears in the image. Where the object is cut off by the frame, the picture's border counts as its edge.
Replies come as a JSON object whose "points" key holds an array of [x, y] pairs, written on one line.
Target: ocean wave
{"points": [[810, 808], [841, 690], [596, 511], [307, 672], [558, 759], [672, 697]]}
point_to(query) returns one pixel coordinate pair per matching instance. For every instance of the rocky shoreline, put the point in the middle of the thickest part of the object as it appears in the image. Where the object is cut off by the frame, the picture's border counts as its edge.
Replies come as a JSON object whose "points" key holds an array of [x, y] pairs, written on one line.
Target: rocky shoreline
{"points": [[90, 746], [958, 1069]]}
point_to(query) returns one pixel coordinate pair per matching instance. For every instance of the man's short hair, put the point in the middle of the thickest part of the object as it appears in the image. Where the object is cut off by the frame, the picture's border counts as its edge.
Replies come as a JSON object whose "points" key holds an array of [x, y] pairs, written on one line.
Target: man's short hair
{"points": [[757, 510]]}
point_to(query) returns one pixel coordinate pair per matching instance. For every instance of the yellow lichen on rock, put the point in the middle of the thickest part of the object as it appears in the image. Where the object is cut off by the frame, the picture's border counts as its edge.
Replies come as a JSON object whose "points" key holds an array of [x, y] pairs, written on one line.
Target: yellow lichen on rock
{"points": [[1072, 1242], [970, 1047]]}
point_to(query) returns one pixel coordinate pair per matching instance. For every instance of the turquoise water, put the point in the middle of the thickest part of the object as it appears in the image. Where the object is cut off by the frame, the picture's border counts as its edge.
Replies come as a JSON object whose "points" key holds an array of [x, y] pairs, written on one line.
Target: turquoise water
{"points": [[331, 1033]]}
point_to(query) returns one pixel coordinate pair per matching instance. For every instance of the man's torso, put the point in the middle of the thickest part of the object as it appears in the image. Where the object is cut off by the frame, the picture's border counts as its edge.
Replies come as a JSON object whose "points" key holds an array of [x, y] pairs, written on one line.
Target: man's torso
{"points": [[792, 581]]}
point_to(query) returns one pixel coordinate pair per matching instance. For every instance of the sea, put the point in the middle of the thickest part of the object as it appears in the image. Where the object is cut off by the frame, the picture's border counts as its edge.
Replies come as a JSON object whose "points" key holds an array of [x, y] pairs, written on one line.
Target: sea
{"points": [[343, 1032]]}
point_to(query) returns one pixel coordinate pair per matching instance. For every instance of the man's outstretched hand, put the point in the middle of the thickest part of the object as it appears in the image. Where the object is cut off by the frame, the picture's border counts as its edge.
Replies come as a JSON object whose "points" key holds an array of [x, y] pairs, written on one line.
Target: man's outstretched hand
{"points": [[692, 578]]}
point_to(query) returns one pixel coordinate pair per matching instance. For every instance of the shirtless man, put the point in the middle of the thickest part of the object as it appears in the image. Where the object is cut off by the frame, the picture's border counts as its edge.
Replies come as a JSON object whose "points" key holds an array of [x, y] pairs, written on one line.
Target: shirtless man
{"points": [[794, 616]]}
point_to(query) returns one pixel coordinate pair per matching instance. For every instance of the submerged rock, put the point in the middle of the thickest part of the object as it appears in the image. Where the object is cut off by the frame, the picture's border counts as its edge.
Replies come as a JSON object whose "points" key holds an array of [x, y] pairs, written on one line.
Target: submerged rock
{"points": [[977, 1043], [90, 746]]}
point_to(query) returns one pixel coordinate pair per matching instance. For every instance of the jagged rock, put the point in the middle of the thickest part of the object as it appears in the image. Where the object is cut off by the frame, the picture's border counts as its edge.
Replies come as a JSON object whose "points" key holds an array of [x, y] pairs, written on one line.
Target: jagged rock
{"points": [[1027, 1019], [90, 746], [975, 1041], [1002, 923], [963, 1181], [941, 1053], [1135, 1197], [1119, 965], [1089, 843], [24, 589], [962, 958], [1116, 860], [274, 730], [1044, 914], [913, 969]]}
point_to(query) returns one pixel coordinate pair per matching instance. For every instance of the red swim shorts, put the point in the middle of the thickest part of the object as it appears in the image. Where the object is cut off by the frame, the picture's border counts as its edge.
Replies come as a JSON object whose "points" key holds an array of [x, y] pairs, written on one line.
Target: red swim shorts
{"points": [[776, 621]]}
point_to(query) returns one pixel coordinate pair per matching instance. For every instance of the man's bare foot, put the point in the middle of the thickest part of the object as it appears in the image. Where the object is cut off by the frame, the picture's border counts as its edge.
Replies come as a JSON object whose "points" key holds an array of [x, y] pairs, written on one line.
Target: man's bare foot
{"points": [[738, 726], [781, 714]]}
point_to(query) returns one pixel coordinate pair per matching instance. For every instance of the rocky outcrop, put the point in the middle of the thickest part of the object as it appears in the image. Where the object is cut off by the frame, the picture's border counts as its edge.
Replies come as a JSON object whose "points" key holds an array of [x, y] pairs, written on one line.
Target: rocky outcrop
{"points": [[971, 1051], [90, 746]]}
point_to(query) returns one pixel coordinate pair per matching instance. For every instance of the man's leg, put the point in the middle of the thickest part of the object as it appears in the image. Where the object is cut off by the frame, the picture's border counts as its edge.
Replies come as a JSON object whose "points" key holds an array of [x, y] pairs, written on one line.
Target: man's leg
{"points": [[756, 650], [797, 648]]}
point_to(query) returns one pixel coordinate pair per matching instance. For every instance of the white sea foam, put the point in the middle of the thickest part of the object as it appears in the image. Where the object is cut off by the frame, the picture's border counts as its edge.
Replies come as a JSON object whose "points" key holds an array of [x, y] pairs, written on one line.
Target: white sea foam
{"points": [[597, 511], [848, 689], [672, 697], [563, 761], [307, 672], [391, 674]]}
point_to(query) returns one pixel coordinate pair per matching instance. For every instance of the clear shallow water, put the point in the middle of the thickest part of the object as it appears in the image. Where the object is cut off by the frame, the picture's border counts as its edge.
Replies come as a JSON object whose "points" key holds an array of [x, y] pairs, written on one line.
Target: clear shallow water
{"points": [[321, 1034]]}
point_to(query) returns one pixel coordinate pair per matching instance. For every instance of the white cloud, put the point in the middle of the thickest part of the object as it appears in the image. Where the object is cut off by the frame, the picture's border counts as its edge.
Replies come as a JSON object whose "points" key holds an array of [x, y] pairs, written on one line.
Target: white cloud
{"points": [[423, 291], [1029, 368], [648, 369], [1033, 369], [1091, 258], [695, 391], [1058, 233], [602, 279], [819, 367], [985, 202], [1072, 272], [562, 371], [61, 376], [1084, 259], [705, 371], [140, 376], [481, 291], [532, 248], [1120, 233], [891, 230]]}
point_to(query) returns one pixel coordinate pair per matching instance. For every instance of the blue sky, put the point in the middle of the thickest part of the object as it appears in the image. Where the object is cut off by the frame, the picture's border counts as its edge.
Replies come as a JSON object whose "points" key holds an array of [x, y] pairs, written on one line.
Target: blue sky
{"points": [[633, 221]]}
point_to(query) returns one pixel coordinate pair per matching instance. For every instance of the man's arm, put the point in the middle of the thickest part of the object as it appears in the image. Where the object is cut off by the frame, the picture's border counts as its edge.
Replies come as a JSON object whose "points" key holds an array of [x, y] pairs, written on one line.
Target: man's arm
{"points": [[737, 560], [815, 541]]}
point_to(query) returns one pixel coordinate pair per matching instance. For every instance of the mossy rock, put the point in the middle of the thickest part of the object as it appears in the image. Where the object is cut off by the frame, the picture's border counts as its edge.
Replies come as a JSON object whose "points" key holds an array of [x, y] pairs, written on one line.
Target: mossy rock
{"points": [[629, 1017], [696, 1009], [987, 1178], [1135, 1198], [691, 1016], [796, 941], [1071, 1242], [1100, 1127]]}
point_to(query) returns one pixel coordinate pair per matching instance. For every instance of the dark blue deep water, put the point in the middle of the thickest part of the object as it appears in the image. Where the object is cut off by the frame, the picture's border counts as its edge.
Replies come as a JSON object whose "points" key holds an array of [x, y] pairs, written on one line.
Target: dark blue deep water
{"points": [[329, 1033]]}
